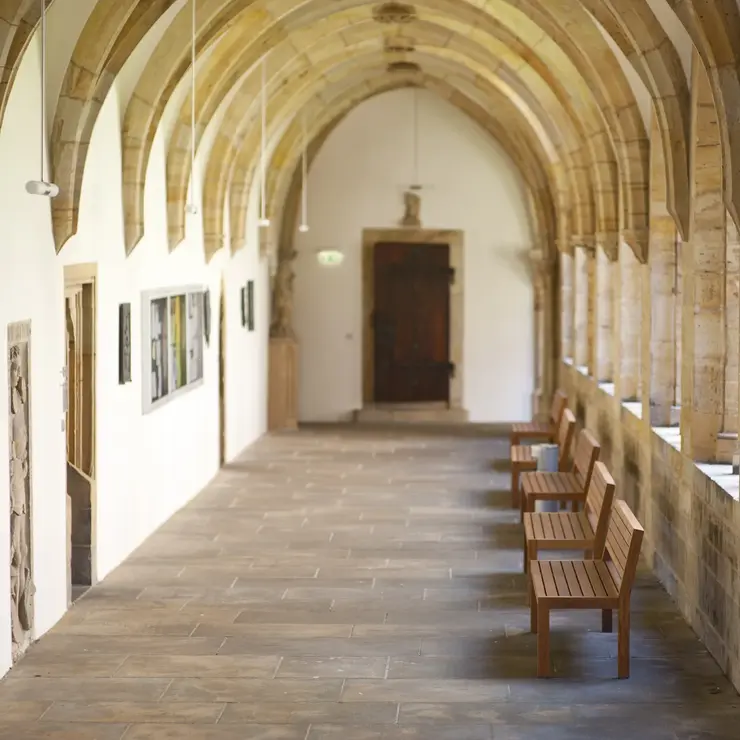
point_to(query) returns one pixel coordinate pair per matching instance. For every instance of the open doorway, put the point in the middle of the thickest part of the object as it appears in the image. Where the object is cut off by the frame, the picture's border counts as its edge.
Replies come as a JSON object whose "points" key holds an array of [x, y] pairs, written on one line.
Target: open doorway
{"points": [[222, 377], [80, 333]]}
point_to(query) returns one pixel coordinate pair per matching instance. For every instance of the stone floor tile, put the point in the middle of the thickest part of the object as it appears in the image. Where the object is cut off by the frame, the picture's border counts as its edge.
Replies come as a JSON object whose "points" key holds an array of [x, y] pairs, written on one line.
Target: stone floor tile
{"points": [[61, 731], [333, 668], [330, 713], [217, 732], [135, 712], [199, 666], [237, 689]]}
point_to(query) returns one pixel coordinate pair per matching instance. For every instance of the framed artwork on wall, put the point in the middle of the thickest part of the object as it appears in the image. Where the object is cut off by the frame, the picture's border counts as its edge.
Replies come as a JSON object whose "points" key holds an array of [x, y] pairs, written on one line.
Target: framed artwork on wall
{"points": [[207, 316], [124, 343], [173, 340], [195, 337], [250, 305], [243, 304]]}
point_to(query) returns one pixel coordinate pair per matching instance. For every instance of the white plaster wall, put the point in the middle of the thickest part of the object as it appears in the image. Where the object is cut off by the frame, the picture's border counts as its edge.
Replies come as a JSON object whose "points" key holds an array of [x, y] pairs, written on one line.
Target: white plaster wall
{"points": [[147, 466], [357, 181]]}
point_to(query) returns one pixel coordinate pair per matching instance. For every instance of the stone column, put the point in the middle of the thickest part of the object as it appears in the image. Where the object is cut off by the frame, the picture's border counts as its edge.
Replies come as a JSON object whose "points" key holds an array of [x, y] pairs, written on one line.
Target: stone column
{"points": [[592, 310], [282, 402], [538, 284], [580, 358], [566, 304], [732, 328], [604, 300], [703, 259], [630, 323], [662, 267]]}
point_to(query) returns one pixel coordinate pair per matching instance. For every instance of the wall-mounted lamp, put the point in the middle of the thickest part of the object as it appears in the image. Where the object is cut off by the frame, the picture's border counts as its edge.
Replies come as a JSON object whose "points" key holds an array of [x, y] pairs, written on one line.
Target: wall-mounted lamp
{"points": [[330, 257]]}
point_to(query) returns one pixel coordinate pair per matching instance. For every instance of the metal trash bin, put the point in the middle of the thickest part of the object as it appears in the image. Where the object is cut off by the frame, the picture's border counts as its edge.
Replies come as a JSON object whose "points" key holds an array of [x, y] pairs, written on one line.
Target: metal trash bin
{"points": [[548, 460]]}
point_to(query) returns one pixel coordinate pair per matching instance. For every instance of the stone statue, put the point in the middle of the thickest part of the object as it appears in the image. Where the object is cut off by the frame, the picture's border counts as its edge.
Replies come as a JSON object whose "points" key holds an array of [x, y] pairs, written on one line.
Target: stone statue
{"points": [[282, 298], [412, 202], [21, 582]]}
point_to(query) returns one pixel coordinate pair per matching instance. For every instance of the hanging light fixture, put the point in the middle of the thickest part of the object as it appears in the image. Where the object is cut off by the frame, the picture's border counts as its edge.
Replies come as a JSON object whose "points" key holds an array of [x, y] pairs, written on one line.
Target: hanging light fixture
{"points": [[303, 228], [264, 221], [191, 207], [42, 186]]}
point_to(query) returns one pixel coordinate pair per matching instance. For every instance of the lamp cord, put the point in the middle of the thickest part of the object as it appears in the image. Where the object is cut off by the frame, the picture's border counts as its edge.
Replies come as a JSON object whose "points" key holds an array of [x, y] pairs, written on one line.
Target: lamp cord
{"points": [[262, 142], [304, 172], [192, 104], [43, 90]]}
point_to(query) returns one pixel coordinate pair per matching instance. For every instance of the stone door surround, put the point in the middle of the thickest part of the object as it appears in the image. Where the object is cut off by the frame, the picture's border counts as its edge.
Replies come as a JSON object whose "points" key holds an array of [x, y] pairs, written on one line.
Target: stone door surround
{"points": [[413, 235]]}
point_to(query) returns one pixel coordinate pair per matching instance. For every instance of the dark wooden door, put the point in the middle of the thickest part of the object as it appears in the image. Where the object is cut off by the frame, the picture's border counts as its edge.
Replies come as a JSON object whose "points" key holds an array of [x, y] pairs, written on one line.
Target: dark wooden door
{"points": [[411, 322]]}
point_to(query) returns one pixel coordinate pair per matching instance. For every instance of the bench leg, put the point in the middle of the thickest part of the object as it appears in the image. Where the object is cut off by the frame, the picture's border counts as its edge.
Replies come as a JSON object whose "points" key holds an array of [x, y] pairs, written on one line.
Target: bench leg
{"points": [[623, 642], [532, 609], [524, 505], [606, 620], [514, 485], [530, 553], [543, 641]]}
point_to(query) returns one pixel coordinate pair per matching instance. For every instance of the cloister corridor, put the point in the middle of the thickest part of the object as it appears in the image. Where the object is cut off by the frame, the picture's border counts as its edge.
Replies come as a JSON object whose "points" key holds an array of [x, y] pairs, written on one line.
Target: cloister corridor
{"points": [[353, 583]]}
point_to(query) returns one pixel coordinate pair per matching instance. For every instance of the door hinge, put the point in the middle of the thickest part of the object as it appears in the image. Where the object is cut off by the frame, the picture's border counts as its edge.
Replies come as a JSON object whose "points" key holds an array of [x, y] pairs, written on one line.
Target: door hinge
{"points": [[451, 369]]}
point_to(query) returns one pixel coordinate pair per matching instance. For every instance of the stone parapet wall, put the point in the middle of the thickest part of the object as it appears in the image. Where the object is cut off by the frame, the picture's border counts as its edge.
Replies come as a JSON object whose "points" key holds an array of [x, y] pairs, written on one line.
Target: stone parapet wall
{"points": [[692, 525]]}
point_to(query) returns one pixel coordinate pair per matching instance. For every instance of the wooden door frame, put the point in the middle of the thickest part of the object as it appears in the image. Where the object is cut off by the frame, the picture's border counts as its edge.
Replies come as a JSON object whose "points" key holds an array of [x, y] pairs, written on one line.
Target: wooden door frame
{"points": [[76, 276], [412, 235], [222, 374]]}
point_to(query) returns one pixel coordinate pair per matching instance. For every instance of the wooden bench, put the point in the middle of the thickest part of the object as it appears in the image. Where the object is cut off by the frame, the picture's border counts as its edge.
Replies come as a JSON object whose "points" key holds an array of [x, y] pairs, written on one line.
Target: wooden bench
{"points": [[523, 459], [563, 530], [563, 487], [544, 431], [589, 584]]}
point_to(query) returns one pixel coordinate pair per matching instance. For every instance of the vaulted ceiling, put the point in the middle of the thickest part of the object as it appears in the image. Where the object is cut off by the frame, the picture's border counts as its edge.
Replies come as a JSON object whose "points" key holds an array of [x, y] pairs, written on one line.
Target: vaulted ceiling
{"points": [[538, 75]]}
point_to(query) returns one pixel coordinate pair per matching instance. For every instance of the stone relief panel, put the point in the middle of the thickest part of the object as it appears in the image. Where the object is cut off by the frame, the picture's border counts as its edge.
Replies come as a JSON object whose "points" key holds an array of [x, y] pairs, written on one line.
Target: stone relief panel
{"points": [[21, 575]]}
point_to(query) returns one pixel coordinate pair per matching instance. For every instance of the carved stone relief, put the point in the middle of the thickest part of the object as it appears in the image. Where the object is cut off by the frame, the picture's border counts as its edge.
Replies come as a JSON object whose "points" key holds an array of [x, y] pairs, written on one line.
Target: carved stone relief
{"points": [[22, 588], [281, 325]]}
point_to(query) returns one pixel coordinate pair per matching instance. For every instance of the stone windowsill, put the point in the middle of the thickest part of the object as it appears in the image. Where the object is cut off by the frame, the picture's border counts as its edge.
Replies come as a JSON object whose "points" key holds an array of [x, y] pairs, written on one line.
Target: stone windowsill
{"points": [[634, 407], [721, 474]]}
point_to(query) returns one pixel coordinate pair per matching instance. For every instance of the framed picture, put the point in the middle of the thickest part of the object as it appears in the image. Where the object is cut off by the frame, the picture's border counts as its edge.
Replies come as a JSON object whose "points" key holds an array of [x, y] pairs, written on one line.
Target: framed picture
{"points": [[195, 337], [243, 303], [207, 316], [124, 343], [250, 305], [173, 337]]}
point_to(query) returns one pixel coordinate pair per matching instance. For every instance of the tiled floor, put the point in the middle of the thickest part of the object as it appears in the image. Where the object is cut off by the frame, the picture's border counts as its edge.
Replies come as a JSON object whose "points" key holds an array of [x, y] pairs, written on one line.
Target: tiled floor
{"points": [[355, 585]]}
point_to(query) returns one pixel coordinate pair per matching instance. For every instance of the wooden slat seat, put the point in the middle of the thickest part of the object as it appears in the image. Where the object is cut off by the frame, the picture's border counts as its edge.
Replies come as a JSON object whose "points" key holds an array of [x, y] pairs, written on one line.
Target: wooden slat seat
{"points": [[537, 430], [584, 530], [564, 487], [523, 459], [604, 584]]}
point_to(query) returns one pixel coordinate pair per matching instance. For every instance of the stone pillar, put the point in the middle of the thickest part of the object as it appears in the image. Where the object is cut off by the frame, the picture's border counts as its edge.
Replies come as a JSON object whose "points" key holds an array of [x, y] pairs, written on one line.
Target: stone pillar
{"points": [[541, 281], [703, 259], [592, 311], [732, 328], [566, 305], [282, 403], [662, 267], [580, 358], [662, 291], [630, 323], [604, 300]]}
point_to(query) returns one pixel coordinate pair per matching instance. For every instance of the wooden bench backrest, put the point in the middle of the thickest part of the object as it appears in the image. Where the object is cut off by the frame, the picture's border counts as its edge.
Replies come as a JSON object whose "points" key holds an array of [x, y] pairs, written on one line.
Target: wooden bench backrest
{"points": [[559, 404], [623, 542], [587, 453], [566, 432], [599, 505]]}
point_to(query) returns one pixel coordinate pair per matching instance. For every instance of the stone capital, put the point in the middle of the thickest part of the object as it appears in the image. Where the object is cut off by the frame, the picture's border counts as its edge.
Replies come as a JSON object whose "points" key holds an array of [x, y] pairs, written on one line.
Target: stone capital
{"points": [[638, 240], [580, 241], [609, 242]]}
